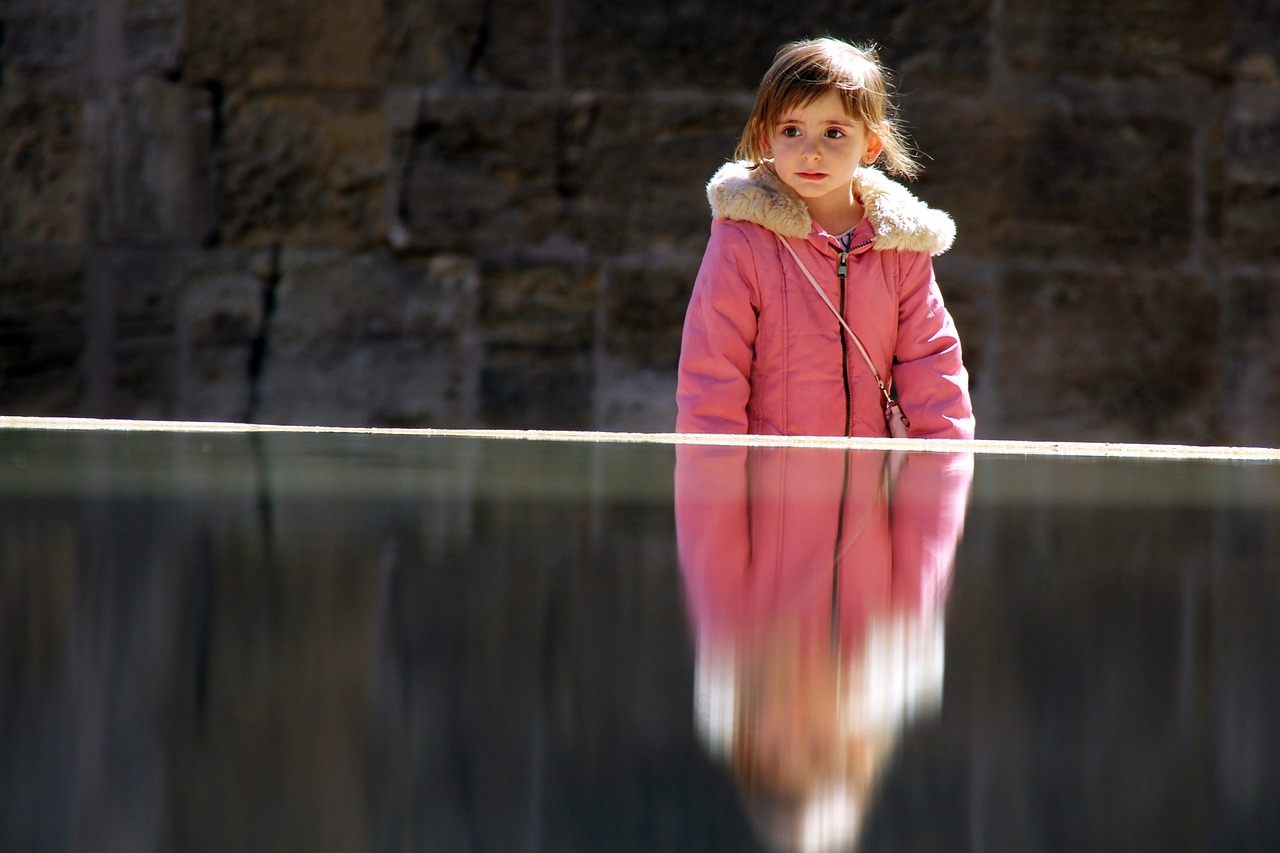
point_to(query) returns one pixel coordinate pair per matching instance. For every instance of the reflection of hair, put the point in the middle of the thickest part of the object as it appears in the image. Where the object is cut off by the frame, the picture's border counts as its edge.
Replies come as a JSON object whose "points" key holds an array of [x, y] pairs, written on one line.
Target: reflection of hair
{"points": [[805, 70], [807, 735], [805, 776]]}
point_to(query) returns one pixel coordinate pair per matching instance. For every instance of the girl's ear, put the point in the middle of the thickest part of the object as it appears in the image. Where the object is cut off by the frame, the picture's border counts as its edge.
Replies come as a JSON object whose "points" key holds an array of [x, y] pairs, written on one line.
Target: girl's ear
{"points": [[874, 147]]}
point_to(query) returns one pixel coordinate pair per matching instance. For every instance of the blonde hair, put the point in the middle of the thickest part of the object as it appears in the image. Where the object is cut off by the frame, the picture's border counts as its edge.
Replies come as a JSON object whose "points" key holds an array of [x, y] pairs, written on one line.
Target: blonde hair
{"points": [[803, 71]]}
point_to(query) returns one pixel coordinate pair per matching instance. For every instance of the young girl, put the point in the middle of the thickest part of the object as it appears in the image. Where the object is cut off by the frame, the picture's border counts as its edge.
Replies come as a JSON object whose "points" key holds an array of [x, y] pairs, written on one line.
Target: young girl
{"points": [[816, 298]]}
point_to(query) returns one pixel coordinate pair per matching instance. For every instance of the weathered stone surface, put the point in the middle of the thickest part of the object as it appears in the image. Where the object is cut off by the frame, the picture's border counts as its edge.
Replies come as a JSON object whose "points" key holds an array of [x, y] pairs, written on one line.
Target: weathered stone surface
{"points": [[304, 170], [41, 169], [1251, 381], [537, 324], [1046, 182], [1249, 223], [1118, 357], [644, 313], [1096, 37], [220, 316], [633, 169], [633, 399], [153, 33], [43, 39], [147, 286], [969, 291], [476, 171], [42, 331], [1252, 202], [286, 43], [634, 44], [1254, 135], [525, 388], [516, 45], [362, 340], [531, 303], [427, 42], [149, 159], [1255, 34]]}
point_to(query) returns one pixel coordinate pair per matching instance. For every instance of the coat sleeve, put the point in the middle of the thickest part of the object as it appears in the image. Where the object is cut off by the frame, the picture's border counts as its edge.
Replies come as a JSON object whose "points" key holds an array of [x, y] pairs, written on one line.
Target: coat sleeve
{"points": [[928, 509], [718, 343], [929, 377]]}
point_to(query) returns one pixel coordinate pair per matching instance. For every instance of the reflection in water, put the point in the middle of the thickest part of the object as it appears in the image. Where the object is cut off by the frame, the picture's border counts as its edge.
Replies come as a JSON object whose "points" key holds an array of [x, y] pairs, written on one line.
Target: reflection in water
{"points": [[327, 643], [286, 642], [816, 581]]}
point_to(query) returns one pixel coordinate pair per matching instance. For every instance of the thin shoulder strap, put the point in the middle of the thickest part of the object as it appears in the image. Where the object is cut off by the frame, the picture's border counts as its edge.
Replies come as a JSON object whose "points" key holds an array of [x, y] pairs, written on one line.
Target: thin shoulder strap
{"points": [[888, 398]]}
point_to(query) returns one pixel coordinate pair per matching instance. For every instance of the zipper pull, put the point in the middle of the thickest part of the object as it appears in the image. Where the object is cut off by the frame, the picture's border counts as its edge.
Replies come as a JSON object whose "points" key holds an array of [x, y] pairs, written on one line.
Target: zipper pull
{"points": [[843, 269]]}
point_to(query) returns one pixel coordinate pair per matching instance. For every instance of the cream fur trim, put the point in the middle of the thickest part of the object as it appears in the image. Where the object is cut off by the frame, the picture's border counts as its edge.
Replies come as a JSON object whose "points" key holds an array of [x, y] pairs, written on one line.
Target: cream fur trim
{"points": [[901, 221]]}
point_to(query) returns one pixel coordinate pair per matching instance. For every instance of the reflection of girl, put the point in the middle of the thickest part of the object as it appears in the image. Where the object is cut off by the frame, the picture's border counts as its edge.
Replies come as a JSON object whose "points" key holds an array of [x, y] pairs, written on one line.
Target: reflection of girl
{"points": [[815, 580]]}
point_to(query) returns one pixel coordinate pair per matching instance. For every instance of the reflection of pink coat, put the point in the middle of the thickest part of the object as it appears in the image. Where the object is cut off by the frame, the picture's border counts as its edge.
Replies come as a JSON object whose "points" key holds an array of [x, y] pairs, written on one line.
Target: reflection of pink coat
{"points": [[805, 535], [762, 354]]}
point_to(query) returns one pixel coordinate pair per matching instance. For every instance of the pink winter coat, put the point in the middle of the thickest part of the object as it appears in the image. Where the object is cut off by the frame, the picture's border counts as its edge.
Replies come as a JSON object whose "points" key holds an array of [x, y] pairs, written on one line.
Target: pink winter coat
{"points": [[762, 354]]}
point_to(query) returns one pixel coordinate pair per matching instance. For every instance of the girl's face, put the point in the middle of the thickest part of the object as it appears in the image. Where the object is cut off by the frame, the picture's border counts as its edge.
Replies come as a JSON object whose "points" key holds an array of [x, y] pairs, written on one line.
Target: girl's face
{"points": [[817, 147]]}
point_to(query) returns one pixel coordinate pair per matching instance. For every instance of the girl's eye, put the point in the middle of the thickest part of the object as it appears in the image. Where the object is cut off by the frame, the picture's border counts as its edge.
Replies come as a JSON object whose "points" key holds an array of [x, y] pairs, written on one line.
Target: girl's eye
{"points": [[791, 131], [835, 133]]}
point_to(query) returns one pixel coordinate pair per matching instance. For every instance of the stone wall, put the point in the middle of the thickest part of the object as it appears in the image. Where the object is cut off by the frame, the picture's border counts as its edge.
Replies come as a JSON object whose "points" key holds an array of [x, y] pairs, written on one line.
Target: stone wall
{"points": [[466, 213]]}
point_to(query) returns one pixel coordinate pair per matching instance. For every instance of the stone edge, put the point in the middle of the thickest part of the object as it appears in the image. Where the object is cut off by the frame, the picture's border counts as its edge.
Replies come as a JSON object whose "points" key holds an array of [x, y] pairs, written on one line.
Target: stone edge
{"points": [[983, 446]]}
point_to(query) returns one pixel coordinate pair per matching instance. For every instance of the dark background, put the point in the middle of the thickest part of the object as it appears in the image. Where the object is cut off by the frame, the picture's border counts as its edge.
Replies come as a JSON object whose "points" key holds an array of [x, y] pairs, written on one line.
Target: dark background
{"points": [[464, 213]]}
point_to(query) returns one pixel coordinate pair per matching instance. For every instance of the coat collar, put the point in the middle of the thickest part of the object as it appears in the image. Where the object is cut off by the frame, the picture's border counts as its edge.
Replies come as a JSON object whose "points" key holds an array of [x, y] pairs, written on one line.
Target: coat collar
{"points": [[901, 221]]}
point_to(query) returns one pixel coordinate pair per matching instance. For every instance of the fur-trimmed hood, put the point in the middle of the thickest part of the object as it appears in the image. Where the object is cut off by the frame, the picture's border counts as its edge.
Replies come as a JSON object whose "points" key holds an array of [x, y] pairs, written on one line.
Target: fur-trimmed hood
{"points": [[900, 220]]}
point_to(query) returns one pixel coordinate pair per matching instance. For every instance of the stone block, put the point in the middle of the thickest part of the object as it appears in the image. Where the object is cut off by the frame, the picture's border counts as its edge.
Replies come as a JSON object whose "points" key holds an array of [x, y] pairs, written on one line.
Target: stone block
{"points": [[146, 287], [537, 324], [1256, 40], [371, 43], [42, 169], [153, 35], [634, 399], [968, 290], [1249, 226], [1044, 182], [537, 388], [220, 313], [644, 309], [286, 43], [43, 39], [1172, 39], [303, 170], [537, 304], [42, 331], [1251, 206], [429, 42], [720, 45], [1122, 356], [475, 171], [364, 340], [634, 169], [1251, 369], [511, 43], [1253, 136], [149, 152]]}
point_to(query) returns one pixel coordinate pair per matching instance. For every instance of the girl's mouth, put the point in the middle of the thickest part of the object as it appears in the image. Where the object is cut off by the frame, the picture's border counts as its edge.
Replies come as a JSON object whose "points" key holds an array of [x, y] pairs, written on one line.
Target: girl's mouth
{"points": [[810, 176]]}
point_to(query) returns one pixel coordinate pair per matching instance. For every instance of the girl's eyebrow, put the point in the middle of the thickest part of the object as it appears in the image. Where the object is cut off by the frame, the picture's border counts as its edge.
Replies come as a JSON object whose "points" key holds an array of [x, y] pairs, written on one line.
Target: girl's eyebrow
{"points": [[842, 122]]}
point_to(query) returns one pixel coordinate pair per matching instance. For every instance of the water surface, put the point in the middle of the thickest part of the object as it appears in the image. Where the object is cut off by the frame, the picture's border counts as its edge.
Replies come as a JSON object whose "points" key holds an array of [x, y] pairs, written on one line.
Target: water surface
{"points": [[298, 641]]}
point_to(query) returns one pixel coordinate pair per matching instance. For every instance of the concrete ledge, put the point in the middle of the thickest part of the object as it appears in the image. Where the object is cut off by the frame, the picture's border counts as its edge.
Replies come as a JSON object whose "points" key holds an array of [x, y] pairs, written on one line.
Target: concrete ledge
{"points": [[984, 446]]}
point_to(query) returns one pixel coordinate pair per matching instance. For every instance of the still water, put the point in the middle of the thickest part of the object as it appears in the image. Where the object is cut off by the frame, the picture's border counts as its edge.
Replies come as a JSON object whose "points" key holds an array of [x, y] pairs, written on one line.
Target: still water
{"points": [[291, 641]]}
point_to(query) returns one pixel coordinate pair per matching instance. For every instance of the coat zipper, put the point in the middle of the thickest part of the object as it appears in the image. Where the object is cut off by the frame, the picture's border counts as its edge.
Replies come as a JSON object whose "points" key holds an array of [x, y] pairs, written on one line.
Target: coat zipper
{"points": [[842, 270]]}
